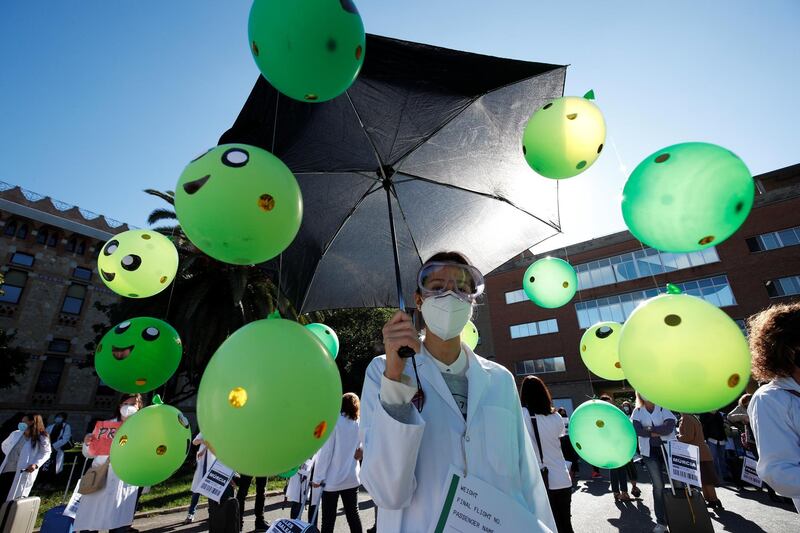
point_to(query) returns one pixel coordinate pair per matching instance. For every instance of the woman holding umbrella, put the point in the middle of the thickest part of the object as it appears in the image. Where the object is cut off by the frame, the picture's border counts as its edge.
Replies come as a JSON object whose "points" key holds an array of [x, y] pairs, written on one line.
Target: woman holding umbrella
{"points": [[459, 410]]}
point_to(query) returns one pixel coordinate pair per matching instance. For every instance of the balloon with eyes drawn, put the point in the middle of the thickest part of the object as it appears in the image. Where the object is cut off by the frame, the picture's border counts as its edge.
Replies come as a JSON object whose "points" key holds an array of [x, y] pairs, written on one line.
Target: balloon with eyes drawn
{"points": [[138, 355], [550, 282], [239, 204], [138, 263], [600, 350], [327, 336], [470, 335]]}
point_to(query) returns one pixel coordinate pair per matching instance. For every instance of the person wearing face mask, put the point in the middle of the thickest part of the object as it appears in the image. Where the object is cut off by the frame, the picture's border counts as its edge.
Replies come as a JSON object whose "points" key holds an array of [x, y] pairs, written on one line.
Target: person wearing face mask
{"points": [[457, 410], [113, 506], [26, 449], [61, 437]]}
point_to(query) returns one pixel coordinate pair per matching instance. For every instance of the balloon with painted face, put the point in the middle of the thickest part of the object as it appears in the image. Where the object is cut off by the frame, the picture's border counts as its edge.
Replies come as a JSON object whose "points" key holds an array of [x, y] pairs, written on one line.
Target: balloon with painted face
{"points": [[600, 350], [239, 204], [310, 50], [138, 263], [687, 197], [602, 434], [470, 335], [564, 137], [138, 355], [550, 282], [327, 336], [151, 445], [684, 354], [253, 376]]}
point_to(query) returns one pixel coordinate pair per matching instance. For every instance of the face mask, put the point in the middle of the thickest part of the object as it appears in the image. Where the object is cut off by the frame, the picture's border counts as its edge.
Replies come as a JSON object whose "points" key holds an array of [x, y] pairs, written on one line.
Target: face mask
{"points": [[128, 410], [58, 420], [22, 426], [446, 315]]}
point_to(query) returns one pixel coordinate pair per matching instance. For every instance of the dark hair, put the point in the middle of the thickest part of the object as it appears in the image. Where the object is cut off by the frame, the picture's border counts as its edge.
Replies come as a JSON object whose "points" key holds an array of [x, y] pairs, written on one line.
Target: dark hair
{"points": [[775, 341], [62, 414], [351, 406], [535, 396], [36, 430], [606, 398], [124, 398]]}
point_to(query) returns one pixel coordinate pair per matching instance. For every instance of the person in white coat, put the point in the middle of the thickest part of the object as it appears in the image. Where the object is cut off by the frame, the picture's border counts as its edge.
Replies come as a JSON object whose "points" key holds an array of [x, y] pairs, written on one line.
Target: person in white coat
{"points": [[459, 411], [774, 409], [337, 468], [204, 459], [297, 491], [26, 450], [113, 506], [60, 436]]}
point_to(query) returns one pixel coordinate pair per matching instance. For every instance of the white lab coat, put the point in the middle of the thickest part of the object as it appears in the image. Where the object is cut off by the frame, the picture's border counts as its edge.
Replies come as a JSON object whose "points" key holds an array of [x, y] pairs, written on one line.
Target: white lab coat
{"points": [[775, 419], [111, 507], [58, 445], [405, 466], [551, 429], [297, 487], [205, 458], [336, 464], [28, 455]]}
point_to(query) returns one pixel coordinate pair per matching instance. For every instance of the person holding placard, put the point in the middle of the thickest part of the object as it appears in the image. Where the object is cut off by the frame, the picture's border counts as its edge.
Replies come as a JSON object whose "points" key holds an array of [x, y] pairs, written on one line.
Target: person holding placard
{"points": [[774, 410], [690, 431], [113, 506], [459, 412]]}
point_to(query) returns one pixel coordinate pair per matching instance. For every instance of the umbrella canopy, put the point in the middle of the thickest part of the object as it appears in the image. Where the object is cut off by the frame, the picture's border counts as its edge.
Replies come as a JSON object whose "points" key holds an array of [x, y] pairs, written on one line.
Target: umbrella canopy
{"points": [[428, 136]]}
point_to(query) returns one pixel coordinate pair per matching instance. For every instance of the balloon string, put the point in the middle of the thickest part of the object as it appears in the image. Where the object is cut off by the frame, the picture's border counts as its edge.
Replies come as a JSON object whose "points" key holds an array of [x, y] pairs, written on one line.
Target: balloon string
{"points": [[272, 150], [652, 276], [174, 281], [580, 299]]}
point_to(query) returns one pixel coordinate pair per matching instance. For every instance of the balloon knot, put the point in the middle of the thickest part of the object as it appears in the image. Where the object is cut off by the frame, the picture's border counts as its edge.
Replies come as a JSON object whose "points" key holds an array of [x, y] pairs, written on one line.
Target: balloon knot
{"points": [[157, 400], [673, 289], [274, 314], [589, 95]]}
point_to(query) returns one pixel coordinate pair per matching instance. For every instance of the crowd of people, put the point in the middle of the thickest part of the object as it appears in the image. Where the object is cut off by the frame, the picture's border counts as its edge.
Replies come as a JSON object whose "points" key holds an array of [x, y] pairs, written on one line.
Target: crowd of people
{"points": [[448, 409]]}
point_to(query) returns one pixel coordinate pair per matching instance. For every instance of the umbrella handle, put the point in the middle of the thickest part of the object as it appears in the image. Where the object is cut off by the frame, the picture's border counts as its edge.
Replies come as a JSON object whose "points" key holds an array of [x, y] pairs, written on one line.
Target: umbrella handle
{"points": [[405, 352]]}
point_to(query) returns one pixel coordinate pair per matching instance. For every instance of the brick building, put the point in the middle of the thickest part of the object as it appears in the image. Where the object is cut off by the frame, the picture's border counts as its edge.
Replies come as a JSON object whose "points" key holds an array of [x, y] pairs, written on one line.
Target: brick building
{"points": [[757, 266], [48, 253]]}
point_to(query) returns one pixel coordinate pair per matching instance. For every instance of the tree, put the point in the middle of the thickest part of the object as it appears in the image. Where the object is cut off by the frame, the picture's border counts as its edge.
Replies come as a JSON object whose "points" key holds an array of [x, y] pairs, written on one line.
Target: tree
{"points": [[13, 361]]}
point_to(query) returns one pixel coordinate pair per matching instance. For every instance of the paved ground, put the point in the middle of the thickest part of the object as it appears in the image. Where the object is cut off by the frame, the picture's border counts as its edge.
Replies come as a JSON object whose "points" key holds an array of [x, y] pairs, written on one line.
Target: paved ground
{"points": [[593, 511]]}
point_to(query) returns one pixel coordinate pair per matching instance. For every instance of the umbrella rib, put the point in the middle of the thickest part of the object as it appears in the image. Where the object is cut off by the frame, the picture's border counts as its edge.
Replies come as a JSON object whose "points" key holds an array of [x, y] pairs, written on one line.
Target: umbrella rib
{"points": [[364, 129], [332, 239], [405, 221], [553, 225]]}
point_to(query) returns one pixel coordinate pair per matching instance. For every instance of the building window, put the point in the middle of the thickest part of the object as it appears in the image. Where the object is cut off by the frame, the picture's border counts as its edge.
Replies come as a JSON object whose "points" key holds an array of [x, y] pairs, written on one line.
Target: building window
{"points": [[22, 232], [516, 296], [50, 375], [540, 366], [82, 273], [71, 244], [81, 249], [619, 307], [22, 259], [742, 325], [47, 236], [10, 229], [73, 301], [530, 329], [639, 264], [774, 240], [59, 346], [788, 286], [12, 288]]}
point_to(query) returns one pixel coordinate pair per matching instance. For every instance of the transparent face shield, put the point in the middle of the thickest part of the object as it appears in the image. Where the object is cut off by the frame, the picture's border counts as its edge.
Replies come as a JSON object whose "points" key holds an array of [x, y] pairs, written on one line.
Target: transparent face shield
{"points": [[438, 277]]}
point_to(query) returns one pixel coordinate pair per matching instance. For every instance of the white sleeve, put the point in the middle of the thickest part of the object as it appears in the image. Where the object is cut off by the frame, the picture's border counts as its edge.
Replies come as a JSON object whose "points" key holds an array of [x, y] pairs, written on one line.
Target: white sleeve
{"points": [[397, 392], [325, 457], [8, 444], [44, 452], [526, 419], [390, 447], [779, 454], [563, 427]]}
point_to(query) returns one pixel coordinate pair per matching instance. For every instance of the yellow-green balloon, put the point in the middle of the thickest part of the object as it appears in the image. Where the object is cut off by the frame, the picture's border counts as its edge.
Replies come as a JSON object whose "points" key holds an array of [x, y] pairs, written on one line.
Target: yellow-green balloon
{"points": [[138, 263], [550, 282], [470, 335], [599, 350], [687, 197], [273, 383], [602, 434], [564, 137], [150, 445], [310, 50], [684, 354], [327, 336], [138, 355], [239, 204]]}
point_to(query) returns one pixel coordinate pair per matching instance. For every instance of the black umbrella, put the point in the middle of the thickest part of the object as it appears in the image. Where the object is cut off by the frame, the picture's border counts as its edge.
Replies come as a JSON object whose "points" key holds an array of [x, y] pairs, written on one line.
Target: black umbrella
{"points": [[422, 154]]}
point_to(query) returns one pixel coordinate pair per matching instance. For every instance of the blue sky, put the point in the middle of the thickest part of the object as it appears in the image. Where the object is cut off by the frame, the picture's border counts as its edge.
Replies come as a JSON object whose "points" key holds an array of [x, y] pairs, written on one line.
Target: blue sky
{"points": [[99, 99]]}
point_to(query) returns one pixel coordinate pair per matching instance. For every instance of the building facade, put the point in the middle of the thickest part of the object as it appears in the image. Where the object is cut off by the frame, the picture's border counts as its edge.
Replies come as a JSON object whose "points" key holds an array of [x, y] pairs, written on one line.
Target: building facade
{"points": [[48, 253], [757, 266]]}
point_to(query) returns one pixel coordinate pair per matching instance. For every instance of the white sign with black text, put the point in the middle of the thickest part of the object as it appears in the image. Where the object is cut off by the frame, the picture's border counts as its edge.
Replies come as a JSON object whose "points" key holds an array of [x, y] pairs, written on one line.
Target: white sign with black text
{"points": [[215, 481], [684, 463], [749, 472]]}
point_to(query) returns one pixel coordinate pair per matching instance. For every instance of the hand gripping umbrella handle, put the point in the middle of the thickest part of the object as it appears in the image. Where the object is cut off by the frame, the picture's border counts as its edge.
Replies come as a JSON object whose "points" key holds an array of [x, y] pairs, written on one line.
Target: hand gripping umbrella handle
{"points": [[405, 352]]}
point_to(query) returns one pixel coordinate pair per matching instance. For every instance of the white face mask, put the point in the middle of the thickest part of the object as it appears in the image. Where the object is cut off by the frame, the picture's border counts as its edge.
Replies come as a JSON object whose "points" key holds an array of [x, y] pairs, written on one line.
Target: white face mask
{"points": [[128, 410], [446, 315]]}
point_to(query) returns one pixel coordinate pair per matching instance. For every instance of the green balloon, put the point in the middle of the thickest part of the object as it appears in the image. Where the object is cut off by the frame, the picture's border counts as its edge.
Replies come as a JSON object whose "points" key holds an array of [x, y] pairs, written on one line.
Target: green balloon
{"points": [[138, 263], [684, 354], [564, 137], [138, 355], [327, 336], [599, 350], [151, 445], [602, 434], [550, 282], [239, 204], [273, 383], [289, 473], [310, 50], [470, 335], [687, 197]]}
